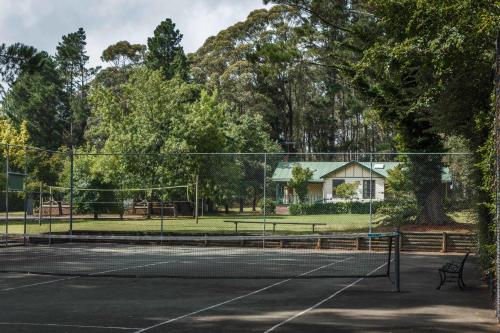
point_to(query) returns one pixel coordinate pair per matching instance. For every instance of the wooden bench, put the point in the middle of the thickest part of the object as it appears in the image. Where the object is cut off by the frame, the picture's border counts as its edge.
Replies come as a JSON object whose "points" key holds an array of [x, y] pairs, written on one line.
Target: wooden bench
{"points": [[453, 269], [236, 222]]}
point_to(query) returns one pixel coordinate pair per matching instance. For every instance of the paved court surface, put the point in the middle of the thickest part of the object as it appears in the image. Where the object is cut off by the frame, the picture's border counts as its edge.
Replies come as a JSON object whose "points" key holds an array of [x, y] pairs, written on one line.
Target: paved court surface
{"points": [[34, 303]]}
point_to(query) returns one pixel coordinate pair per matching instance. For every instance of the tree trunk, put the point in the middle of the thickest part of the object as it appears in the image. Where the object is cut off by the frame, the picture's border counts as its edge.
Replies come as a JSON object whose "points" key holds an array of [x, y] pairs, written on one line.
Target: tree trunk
{"points": [[226, 208], [59, 207], [96, 216], [432, 212], [210, 206], [241, 205], [149, 209], [254, 203]]}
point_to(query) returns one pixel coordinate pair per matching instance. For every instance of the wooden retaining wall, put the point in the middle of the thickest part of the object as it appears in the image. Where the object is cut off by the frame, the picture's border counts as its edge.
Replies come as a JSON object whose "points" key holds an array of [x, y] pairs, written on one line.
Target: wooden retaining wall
{"points": [[409, 241], [438, 242]]}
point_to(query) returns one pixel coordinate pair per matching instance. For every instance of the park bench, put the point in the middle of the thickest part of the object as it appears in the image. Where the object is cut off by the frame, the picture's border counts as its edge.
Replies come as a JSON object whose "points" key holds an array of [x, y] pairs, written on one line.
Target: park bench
{"points": [[236, 222], [452, 270]]}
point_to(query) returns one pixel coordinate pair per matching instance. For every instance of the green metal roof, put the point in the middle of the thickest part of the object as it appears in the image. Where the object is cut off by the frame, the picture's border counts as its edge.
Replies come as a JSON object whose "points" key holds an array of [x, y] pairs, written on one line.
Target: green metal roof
{"points": [[283, 172]]}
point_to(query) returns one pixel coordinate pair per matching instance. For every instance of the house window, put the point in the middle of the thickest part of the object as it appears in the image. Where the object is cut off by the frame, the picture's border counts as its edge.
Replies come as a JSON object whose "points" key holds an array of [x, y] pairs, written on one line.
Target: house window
{"points": [[335, 183], [368, 189]]}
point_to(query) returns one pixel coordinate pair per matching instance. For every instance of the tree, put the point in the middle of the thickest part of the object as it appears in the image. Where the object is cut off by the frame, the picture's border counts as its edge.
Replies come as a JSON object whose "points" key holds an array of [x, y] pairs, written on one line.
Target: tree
{"points": [[165, 52], [72, 59], [347, 191], [17, 59], [87, 176], [272, 64], [34, 93], [123, 53], [38, 100], [414, 71], [10, 135], [300, 180]]}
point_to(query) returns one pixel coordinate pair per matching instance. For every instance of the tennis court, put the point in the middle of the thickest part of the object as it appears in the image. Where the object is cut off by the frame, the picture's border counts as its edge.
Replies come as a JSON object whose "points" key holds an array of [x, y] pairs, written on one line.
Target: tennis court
{"points": [[177, 285]]}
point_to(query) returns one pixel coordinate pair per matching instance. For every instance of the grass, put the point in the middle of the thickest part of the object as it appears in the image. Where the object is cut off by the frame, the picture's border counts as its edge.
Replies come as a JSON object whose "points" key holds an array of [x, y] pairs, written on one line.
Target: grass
{"points": [[208, 224]]}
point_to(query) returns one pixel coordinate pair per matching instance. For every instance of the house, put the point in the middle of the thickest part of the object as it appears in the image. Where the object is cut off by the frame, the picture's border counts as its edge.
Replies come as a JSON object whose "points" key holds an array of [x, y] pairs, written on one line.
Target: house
{"points": [[369, 179]]}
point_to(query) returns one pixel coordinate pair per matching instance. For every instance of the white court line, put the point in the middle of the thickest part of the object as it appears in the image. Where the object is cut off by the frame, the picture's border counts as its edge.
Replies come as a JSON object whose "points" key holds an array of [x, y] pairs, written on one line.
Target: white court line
{"points": [[93, 274], [76, 277], [322, 301], [238, 298], [69, 325]]}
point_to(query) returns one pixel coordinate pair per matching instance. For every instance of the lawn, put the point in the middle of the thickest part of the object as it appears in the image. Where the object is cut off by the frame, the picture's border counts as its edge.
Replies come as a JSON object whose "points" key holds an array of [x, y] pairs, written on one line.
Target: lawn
{"points": [[213, 224], [208, 224]]}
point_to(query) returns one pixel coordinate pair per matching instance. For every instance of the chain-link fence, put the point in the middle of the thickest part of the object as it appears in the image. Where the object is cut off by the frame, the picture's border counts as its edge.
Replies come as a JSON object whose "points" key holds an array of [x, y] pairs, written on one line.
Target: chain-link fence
{"points": [[429, 196], [298, 201]]}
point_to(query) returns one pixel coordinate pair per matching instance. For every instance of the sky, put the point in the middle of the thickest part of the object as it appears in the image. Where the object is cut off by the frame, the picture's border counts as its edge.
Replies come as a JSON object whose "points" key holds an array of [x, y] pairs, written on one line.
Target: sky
{"points": [[41, 23]]}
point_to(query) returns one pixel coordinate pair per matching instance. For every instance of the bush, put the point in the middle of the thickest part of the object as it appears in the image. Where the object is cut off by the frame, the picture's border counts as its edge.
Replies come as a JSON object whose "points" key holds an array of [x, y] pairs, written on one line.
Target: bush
{"points": [[348, 207], [398, 212], [269, 206]]}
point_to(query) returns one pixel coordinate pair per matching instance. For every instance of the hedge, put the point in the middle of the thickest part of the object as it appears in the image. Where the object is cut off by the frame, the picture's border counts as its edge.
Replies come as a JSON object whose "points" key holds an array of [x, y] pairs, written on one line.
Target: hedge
{"points": [[348, 207]]}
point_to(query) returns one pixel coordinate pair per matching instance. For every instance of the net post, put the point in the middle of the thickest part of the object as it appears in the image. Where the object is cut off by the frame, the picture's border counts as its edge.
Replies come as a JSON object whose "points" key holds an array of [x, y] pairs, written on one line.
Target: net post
{"points": [[397, 261], [71, 184], [389, 257], [196, 200], [7, 194]]}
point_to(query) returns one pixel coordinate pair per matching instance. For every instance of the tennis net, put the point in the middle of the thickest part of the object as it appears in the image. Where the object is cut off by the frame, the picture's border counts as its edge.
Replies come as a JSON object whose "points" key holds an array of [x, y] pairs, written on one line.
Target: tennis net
{"points": [[310, 256]]}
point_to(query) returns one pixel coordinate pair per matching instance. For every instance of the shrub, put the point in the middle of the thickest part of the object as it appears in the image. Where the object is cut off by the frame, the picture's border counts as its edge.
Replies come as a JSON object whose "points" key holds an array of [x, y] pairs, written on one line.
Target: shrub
{"points": [[398, 211], [268, 206], [348, 207], [299, 181]]}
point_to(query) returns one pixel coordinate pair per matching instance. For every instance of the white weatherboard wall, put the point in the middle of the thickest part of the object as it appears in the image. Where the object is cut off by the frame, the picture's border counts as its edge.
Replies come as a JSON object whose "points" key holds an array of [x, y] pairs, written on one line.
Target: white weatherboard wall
{"points": [[354, 173]]}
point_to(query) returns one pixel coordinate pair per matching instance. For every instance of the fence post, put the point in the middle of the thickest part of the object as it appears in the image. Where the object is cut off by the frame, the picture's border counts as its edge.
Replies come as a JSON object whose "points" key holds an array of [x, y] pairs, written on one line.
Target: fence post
{"points": [[7, 195], [444, 243], [50, 214], [161, 221], [497, 169], [264, 206], [196, 200], [71, 184], [372, 191], [397, 250], [40, 205], [25, 193]]}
